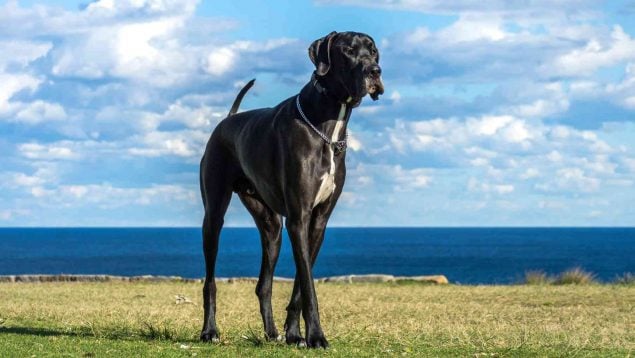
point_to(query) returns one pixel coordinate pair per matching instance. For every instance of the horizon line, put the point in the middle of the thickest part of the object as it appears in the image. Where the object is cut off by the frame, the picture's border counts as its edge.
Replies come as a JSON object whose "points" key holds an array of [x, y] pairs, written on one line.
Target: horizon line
{"points": [[342, 227]]}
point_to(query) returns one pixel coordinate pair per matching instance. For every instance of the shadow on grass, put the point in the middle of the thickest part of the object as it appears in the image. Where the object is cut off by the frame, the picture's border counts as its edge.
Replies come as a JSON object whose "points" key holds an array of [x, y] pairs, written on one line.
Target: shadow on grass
{"points": [[149, 333], [43, 332]]}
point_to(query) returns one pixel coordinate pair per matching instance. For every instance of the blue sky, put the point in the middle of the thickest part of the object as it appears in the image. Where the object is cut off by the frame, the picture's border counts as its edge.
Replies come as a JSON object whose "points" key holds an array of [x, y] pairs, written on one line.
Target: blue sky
{"points": [[496, 113]]}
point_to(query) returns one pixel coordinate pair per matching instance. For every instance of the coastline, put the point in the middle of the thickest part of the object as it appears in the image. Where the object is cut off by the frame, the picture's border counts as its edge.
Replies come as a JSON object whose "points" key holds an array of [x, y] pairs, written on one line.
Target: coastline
{"points": [[371, 278]]}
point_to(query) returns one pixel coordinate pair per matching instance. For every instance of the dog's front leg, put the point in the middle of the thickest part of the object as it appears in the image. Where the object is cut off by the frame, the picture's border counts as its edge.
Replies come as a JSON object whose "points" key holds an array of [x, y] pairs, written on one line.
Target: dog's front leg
{"points": [[317, 227], [298, 228]]}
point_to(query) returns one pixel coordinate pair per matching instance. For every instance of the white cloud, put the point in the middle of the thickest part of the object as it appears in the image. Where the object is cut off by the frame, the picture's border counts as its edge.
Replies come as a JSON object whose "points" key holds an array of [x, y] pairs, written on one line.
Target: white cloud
{"points": [[57, 151], [144, 51], [453, 7], [488, 125], [530, 173], [410, 179], [220, 60], [11, 214], [476, 185], [391, 177], [22, 52], [596, 54], [109, 196], [353, 142], [571, 179], [187, 143], [148, 7], [197, 116], [447, 134], [22, 179], [540, 101], [153, 80], [39, 111], [15, 81], [12, 84], [473, 27], [551, 204]]}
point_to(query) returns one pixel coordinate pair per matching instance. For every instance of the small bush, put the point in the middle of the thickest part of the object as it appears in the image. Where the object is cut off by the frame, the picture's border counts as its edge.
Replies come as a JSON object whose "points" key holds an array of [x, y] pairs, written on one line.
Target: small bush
{"points": [[626, 279], [537, 277], [575, 276]]}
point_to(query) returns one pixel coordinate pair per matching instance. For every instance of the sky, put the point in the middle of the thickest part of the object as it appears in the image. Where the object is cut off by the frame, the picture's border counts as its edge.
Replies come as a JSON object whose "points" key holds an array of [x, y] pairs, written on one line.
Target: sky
{"points": [[496, 113]]}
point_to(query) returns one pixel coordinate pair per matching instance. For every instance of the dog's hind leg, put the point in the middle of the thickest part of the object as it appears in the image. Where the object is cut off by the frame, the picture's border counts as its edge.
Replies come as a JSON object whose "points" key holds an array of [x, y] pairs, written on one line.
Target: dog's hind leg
{"points": [[216, 192], [270, 227]]}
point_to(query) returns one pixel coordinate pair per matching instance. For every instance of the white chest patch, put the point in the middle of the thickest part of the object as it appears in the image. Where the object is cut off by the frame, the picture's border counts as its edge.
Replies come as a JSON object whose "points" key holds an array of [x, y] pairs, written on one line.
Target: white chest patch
{"points": [[327, 186]]}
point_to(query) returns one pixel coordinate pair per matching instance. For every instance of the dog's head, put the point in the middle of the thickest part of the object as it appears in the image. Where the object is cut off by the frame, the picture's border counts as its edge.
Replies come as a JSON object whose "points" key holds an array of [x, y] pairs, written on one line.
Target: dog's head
{"points": [[347, 63]]}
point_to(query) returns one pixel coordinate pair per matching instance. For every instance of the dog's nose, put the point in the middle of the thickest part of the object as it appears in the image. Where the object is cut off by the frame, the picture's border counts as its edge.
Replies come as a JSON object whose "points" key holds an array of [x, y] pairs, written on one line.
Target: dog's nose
{"points": [[375, 71]]}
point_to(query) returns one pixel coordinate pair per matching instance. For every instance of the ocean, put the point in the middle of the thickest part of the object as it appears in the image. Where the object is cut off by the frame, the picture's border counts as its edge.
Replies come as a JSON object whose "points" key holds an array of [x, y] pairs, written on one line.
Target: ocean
{"points": [[464, 255]]}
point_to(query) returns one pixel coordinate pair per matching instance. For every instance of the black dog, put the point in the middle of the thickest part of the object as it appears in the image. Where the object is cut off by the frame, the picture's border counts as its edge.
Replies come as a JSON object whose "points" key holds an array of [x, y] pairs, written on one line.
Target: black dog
{"points": [[288, 161]]}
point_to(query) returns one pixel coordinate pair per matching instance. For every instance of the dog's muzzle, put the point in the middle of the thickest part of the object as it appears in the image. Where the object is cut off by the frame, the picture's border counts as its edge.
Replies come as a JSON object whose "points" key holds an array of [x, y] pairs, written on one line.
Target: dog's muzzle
{"points": [[374, 85]]}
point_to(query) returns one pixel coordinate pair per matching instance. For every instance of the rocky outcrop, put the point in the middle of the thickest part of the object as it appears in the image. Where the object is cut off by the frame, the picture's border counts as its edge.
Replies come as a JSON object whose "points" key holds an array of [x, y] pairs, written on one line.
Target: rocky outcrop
{"points": [[94, 278], [373, 278], [436, 279]]}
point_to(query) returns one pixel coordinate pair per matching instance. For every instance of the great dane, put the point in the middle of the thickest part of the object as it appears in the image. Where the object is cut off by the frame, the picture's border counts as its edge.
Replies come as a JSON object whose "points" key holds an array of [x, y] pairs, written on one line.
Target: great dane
{"points": [[288, 161]]}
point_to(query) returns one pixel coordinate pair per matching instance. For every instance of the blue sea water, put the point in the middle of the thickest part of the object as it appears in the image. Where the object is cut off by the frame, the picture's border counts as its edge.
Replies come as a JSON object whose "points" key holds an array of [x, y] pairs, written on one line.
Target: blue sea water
{"points": [[464, 255]]}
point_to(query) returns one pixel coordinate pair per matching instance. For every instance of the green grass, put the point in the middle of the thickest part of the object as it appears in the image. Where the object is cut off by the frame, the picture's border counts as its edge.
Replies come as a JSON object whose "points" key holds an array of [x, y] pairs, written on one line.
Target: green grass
{"points": [[142, 319]]}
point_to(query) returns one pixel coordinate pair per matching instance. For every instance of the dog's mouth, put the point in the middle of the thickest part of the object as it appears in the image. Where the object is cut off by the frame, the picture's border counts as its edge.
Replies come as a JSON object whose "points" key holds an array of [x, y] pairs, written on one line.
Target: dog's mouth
{"points": [[374, 87]]}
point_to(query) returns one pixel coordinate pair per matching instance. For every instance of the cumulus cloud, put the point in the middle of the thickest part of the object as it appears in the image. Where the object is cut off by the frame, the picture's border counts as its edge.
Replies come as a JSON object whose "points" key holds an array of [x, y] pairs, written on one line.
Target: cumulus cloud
{"points": [[17, 78], [12, 84], [22, 52], [452, 7], [186, 143], [474, 184], [109, 196], [503, 150], [111, 105], [596, 53], [498, 132], [62, 150]]}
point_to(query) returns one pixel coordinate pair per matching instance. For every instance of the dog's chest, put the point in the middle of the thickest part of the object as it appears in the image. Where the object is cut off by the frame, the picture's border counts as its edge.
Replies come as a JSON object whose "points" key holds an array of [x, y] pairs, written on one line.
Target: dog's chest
{"points": [[327, 183]]}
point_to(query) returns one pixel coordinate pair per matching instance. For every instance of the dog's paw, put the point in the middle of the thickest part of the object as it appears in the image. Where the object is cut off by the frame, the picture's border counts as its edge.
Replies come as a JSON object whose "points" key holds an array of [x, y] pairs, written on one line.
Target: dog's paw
{"points": [[316, 341], [210, 336], [295, 339], [273, 336]]}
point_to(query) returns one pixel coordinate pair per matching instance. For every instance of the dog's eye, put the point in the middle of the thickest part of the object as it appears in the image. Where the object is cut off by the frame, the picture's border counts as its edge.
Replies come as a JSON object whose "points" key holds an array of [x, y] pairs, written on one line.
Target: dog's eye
{"points": [[373, 51], [349, 50]]}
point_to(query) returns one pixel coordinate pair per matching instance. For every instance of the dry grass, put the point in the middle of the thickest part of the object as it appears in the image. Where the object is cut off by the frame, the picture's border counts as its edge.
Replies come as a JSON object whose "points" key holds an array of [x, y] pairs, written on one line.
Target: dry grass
{"points": [[625, 279], [575, 276], [358, 319], [537, 278]]}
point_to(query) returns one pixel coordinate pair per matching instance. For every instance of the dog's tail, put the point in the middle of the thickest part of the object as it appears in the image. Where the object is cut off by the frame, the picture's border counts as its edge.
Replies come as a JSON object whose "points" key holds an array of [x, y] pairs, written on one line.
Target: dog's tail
{"points": [[240, 96]]}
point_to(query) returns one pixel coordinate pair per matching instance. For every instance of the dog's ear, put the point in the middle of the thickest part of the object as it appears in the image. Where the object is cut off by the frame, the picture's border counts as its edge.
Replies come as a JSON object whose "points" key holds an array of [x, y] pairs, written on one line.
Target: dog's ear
{"points": [[320, 53]]}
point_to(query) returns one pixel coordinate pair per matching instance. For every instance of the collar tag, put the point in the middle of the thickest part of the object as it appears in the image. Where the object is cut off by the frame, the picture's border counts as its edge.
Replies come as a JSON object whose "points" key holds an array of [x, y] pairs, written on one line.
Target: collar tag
{"points": [[339, 147]]}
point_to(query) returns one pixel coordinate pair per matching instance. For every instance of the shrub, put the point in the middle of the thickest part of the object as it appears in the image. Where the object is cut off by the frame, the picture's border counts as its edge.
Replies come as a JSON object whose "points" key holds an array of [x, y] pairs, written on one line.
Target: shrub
{"points": [[626, 279], [537, 277], [575, 276]]}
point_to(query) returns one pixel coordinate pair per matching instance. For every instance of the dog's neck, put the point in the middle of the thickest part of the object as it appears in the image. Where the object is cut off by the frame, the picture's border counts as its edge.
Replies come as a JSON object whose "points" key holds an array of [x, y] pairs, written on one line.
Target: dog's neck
{"points": [[324, 111]]}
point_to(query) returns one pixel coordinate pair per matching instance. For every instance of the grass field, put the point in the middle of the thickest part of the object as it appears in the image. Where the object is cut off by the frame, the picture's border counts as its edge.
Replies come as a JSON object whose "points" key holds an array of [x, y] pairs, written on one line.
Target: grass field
{"points": [[143, 319]]}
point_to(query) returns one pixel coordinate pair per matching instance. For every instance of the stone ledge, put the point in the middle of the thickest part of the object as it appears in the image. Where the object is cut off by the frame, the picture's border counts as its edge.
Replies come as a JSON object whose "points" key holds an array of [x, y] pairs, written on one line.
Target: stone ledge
{"points": [[373, 278], [436, 279]]}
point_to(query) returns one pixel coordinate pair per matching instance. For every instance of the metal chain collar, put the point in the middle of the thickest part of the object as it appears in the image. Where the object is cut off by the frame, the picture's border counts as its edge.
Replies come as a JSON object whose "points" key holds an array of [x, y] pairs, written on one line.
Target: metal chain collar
{"points": [[338, 146]]}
